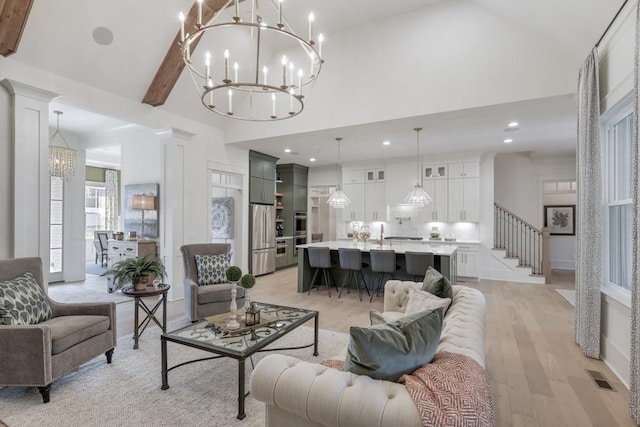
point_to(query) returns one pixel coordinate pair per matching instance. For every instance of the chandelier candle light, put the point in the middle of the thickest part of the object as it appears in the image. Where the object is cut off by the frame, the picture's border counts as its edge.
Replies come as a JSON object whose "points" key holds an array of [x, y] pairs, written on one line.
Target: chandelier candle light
{"points": [[62, 160], [417, 196], [252, 46]]}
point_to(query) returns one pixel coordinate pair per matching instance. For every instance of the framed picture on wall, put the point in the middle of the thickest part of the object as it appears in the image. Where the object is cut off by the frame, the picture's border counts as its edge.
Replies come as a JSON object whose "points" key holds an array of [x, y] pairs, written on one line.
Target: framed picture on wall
{"points": [[561, 220]]}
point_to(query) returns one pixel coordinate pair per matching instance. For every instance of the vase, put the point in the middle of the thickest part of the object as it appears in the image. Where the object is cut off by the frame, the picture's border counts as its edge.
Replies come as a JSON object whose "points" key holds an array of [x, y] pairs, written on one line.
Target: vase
{"points": [[247, 299], [141, 284], [233, 308]]}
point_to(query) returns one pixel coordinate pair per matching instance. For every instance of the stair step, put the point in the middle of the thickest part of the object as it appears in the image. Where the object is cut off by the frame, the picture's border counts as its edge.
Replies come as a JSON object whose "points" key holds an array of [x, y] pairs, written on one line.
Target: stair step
{"points": [[512, 257], [523, 266]]}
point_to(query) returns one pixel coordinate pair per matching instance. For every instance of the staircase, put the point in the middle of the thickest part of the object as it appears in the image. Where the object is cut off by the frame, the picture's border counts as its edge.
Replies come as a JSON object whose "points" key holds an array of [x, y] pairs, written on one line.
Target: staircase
{"points": [[520, 245]]}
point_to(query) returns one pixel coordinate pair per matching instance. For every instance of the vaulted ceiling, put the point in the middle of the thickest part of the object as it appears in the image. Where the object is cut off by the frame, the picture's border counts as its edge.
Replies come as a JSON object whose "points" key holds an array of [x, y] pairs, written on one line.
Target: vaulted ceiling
{"points": [[526, 54]]}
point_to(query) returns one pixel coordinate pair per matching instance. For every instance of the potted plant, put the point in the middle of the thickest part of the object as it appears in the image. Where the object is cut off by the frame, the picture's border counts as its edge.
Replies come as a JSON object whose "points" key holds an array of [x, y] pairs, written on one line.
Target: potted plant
{"points": [[247, 281], [233, 273], [137, 271]]}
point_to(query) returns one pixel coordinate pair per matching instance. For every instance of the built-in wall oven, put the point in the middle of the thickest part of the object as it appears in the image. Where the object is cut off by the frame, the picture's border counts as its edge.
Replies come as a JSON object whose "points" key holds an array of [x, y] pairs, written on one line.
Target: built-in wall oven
{"points": [[299, 230], [281, 248]]}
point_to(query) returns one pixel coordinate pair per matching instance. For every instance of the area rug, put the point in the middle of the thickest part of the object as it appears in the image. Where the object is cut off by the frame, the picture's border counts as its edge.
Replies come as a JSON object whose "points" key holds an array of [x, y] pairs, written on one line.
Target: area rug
{"points": [[569, 295], [95, 269], [127, 392], [81, 293]]}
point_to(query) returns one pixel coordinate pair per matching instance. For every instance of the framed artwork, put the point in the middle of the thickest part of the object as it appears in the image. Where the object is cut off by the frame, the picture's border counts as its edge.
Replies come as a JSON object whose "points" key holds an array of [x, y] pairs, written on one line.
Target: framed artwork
{"points": [[133, 215], [222, 218], [561, 220]]}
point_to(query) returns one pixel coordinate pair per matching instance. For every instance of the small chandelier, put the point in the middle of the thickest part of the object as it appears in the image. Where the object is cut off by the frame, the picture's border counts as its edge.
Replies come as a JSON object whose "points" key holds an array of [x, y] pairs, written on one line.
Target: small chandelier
{"points": [[417, 196], [241, 75], [62, 160], [338, 199]]}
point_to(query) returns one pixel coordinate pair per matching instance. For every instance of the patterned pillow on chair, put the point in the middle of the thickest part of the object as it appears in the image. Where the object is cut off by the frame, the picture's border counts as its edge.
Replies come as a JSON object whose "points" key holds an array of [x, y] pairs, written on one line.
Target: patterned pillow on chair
{"points": [[23, 302], [212, 269]]}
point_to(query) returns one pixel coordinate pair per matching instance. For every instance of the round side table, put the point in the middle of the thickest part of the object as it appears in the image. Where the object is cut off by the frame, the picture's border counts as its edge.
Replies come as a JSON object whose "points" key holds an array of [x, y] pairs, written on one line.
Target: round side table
{"points": [[149, 291]]}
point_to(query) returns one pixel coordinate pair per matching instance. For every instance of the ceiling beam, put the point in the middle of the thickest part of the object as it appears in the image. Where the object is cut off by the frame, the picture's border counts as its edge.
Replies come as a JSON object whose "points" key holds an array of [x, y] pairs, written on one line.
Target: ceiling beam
{"points": [[173, 64], [13, 18]]}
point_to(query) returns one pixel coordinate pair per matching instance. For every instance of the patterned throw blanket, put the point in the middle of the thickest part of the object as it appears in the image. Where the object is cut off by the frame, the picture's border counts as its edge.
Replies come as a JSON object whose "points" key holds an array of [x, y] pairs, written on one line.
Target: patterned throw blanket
{"points": [[453, 390]]}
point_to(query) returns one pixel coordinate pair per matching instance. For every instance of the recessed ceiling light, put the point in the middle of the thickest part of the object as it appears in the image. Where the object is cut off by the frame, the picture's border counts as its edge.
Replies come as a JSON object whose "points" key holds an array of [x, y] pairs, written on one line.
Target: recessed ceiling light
{"points": [[508, 141], [513, 124], [386, 143], [313, 159], [287, 150]]}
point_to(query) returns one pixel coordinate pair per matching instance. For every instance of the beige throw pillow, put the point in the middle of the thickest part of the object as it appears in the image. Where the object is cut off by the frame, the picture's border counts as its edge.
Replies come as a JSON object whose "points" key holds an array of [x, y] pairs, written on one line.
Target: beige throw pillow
{"points": [[422, 300]]}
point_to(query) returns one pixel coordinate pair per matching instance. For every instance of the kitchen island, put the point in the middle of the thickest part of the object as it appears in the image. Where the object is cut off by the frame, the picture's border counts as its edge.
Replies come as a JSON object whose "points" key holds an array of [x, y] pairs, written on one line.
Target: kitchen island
{"points": [[444, 258]]}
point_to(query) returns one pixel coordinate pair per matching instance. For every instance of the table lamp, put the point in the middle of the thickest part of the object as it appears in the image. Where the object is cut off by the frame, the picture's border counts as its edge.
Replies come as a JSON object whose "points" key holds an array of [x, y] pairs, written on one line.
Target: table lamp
{"points": [[143, 203]]}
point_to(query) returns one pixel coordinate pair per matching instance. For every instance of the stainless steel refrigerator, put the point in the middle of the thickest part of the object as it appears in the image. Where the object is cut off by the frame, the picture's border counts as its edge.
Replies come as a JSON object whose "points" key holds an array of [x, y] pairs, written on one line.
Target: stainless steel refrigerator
{"points": [[263, 239]]}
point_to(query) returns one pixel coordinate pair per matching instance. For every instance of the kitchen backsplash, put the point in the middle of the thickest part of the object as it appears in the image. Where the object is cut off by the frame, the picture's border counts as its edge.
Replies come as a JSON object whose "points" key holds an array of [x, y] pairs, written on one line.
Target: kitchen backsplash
{"points": [[412, 227]]}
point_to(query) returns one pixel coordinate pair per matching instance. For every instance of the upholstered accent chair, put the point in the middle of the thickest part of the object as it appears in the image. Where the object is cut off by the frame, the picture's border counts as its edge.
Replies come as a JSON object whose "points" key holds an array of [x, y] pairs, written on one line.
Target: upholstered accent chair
{"points": [[206, 300], [38, 354]]}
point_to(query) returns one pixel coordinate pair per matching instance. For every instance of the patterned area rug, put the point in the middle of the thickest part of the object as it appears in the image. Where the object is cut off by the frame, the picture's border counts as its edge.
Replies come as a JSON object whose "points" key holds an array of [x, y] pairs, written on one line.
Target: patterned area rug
{"points": [[82, 293], [95, 269], [569, 295], [127, 392]]}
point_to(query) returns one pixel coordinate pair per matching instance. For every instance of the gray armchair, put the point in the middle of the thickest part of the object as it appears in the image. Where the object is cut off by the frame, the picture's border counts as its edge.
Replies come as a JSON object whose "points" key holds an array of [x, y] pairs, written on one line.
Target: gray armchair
{"points": [[37, 355], [206, 300]]}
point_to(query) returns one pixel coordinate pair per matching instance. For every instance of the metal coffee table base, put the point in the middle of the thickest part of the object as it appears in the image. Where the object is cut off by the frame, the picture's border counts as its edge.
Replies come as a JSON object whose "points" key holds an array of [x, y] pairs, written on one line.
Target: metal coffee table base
{"points": [[242, 394]]}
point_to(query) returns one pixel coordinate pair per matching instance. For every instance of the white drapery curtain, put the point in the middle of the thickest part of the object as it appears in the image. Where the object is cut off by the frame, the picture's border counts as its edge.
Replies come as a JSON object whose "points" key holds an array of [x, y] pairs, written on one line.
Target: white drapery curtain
{"points": [[634, 359], [112, 195], [589, 219]]}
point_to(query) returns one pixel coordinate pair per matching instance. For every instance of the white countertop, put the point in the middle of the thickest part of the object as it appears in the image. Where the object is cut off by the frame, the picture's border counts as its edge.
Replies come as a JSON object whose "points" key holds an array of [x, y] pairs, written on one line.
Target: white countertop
{"points": [[438, 249]]}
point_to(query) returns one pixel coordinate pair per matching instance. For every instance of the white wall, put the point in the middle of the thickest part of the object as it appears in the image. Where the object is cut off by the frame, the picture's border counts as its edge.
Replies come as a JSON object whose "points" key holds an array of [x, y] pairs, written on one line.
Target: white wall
{"points": [[407, 52], [616, 54], [6, 177]]}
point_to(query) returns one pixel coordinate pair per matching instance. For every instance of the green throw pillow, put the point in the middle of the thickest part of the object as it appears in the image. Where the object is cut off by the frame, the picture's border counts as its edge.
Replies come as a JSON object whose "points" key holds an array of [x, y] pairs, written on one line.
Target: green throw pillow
{"points": [[389, 350], [436, 284], [23, 302]]}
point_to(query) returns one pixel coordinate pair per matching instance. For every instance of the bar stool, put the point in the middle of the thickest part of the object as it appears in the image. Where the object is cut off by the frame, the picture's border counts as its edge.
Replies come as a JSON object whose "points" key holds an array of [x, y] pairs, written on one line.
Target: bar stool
{"points": [[351, 261], [320, 259], [382, 262], [416, 263]]}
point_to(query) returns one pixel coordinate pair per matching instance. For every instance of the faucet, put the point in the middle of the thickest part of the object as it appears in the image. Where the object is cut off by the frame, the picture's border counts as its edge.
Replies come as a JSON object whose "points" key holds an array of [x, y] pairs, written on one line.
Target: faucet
{"points": [[402, 218]]}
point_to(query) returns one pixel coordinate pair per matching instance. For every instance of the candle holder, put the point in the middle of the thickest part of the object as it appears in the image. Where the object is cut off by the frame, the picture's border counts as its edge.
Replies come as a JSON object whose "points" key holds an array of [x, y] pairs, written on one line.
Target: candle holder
{"points": [[233, 308]]}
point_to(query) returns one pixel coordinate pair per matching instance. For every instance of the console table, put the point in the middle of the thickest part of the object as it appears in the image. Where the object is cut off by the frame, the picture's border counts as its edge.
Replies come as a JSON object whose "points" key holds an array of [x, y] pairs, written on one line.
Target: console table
{"points": [[118, 250]]}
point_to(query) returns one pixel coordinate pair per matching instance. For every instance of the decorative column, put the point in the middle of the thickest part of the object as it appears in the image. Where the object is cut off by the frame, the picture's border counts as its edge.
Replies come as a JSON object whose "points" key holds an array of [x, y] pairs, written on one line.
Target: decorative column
{"points": [[172, 207], [30, 125]]}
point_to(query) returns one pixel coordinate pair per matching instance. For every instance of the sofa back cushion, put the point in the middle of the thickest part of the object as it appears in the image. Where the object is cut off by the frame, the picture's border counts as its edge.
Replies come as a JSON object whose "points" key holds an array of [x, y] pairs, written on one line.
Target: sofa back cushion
{"points": [[23, 302], [212, 268], [389, 350]]}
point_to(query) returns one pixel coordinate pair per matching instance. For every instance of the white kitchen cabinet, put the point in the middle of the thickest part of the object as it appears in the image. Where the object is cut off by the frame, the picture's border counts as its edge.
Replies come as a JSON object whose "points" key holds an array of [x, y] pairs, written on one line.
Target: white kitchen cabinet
{"points": [[468, 261], [353, 176], [374, 175], [435, 171], [374, 201], [464, 170], [355, 210], [399, 179], [437, 210], [464, 199]]}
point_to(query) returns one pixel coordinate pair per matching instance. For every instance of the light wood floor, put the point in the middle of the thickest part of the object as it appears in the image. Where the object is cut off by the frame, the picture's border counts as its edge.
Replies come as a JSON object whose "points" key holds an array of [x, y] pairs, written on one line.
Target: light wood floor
{"points": [[537, 372]]}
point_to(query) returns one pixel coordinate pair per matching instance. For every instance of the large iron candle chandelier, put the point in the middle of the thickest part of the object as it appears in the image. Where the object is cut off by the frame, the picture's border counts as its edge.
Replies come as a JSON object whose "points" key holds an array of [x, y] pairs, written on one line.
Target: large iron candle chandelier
{"points": [[257, 69]]}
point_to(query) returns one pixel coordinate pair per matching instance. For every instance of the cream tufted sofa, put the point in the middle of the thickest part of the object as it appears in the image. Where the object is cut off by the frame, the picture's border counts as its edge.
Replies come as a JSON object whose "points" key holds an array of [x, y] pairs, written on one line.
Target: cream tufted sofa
{"points": [[302, 394]]}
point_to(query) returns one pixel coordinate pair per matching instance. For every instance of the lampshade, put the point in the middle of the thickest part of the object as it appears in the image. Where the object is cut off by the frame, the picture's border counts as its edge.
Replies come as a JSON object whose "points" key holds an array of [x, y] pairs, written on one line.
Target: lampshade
{"points": [[417, 196], [338, 199], [144, 202]]}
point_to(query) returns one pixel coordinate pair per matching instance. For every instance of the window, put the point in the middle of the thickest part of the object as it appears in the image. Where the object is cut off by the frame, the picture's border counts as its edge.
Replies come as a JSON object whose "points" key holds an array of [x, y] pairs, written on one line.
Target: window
{"points": [[617, 184]]}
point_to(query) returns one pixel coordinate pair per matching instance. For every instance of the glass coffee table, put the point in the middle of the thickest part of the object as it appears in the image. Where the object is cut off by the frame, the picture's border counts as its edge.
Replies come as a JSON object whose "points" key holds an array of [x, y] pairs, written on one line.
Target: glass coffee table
{"points": [[212, 336]]}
